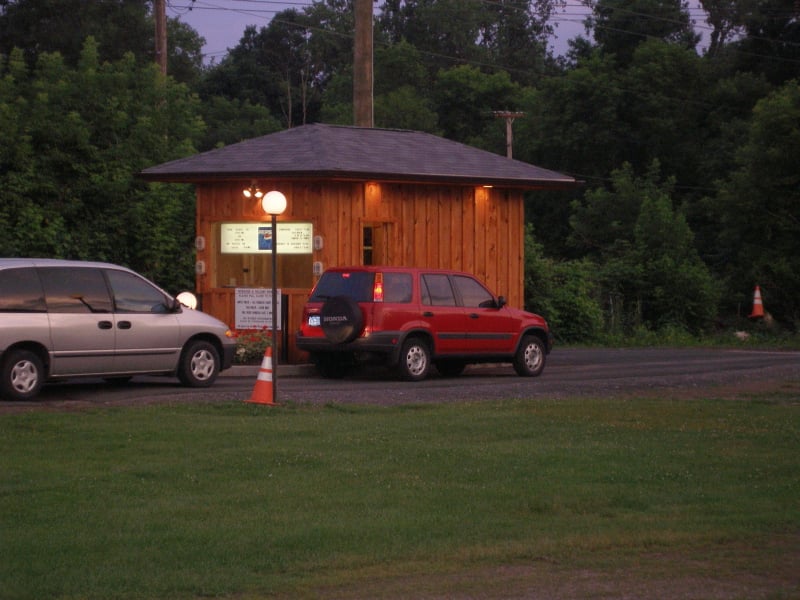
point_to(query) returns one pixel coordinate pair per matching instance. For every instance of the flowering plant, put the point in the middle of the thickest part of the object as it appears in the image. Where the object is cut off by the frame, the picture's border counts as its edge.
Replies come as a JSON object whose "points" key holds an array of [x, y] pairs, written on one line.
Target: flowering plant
{"points": [[251, 346]]}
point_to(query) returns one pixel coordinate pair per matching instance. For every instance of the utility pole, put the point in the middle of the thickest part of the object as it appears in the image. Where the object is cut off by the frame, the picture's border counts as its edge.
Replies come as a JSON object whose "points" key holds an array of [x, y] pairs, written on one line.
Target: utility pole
{"points": [[362, 65], [509, 116], [160, 15]]}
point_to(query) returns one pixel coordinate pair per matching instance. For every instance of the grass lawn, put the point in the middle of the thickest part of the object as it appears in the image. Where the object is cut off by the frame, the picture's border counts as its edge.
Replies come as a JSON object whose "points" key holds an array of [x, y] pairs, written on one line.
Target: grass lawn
{"points": [[246, 501]]}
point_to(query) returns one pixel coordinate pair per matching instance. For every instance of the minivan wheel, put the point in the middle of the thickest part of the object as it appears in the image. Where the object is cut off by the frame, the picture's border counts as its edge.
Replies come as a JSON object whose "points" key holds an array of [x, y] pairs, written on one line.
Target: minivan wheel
{"points": [[199, 364], [415, 360], [530, 357], [22, 375]]}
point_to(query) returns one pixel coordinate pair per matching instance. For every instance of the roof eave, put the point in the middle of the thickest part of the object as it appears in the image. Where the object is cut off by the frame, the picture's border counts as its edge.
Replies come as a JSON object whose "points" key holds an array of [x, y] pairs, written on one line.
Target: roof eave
{"points": [[505, 182]]}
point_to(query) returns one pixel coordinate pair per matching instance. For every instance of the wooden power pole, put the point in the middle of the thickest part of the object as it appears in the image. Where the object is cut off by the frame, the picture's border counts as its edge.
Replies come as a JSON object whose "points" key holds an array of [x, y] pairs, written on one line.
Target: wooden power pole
{"points": [[509, 116], [160, 14], [362, 65]]}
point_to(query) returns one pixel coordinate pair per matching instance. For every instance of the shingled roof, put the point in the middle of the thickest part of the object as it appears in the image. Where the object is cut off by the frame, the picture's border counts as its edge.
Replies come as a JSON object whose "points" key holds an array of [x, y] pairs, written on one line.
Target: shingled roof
{"points": [[356, 153]]}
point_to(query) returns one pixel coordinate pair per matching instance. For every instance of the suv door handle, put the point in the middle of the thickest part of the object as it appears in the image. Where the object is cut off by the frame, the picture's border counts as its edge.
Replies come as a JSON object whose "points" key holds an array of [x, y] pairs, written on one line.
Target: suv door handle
{"points": [[104, 324], [124, 325], [474, 315], [427, 313]]}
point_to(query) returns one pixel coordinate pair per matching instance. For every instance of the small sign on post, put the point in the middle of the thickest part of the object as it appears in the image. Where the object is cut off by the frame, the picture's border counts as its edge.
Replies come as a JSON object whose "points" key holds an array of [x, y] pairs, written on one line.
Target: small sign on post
{"points": [[253, 308]]}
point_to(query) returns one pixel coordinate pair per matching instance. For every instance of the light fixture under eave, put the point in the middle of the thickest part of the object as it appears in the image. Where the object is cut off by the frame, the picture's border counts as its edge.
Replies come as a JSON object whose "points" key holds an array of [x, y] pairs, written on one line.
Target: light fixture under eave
{"points": [[252, 192]]}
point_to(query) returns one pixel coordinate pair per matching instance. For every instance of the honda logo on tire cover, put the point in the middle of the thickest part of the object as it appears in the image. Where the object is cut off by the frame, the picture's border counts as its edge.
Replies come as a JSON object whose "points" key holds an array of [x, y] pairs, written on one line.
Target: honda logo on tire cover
{"points": [[342, 319]]}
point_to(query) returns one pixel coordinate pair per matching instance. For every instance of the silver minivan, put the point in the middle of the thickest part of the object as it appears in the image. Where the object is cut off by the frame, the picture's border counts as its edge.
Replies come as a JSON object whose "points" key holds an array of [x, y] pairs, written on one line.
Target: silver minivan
{"points": [[62, 319]]}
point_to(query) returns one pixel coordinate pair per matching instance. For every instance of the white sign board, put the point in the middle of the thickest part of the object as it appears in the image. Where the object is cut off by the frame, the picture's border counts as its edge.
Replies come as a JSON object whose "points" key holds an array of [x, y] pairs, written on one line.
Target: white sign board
{"points": [[254, 308], [255, 238]]}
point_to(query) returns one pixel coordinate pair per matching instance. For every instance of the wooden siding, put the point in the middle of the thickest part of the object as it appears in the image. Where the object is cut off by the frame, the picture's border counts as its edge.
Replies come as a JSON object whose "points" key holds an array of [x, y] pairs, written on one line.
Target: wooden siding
{"points": [[474, 229]]}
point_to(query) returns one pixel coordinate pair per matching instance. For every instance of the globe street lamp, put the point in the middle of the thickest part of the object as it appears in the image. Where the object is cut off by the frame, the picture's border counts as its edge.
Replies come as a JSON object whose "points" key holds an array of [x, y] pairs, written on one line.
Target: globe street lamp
{"points": [[274, 203]]}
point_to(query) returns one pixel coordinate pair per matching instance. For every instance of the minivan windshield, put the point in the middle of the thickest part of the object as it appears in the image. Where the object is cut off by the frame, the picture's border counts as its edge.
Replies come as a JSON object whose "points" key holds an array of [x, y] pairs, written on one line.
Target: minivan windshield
{"points": [[353, 284]]}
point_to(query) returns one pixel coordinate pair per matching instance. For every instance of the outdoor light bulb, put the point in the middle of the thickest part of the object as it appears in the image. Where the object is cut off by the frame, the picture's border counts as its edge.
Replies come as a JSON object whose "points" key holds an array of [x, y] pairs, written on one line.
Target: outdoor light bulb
{"points": [[259, 193], [247, 192], [273, 203]]}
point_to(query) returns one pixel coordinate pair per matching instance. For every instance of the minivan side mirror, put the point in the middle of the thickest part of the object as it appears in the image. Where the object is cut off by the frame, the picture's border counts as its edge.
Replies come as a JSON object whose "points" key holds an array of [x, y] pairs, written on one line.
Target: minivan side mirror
{"points": [[501, 301]]}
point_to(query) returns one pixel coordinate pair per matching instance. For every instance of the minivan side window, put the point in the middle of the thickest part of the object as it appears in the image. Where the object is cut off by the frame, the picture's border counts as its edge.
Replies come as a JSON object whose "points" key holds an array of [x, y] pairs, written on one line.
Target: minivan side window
{"points": [[436, 290], [134, 294], [473, 294], [75, 290], [21, 291]]}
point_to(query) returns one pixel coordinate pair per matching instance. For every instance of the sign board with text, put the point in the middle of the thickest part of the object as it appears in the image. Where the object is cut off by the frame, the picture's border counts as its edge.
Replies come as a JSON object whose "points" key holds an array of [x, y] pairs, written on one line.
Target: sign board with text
{"points": [[253, 308], [255, 238]]}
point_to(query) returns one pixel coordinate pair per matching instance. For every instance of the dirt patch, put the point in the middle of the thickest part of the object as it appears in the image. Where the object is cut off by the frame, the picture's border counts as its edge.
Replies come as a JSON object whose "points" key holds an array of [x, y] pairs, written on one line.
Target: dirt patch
{"points": [[725, 571]]}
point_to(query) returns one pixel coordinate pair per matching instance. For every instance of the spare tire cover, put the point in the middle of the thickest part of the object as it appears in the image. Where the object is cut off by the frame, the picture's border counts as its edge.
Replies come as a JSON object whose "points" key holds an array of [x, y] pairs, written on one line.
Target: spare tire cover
{"points": [[342, 319]]}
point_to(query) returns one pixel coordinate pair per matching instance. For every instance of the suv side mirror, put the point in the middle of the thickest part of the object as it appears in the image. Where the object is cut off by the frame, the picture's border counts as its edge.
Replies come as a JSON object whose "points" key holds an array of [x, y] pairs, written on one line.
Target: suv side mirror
{"points": [[501, 301]]}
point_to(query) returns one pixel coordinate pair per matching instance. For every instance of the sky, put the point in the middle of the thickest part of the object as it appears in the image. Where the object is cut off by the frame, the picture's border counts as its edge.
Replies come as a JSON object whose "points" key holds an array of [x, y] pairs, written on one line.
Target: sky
{"points": [[222, 22]]}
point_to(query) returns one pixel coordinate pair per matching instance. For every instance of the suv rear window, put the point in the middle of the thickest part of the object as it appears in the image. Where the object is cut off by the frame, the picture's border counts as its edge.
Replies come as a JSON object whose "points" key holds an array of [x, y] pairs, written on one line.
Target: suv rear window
{"points": [[353, 284]]}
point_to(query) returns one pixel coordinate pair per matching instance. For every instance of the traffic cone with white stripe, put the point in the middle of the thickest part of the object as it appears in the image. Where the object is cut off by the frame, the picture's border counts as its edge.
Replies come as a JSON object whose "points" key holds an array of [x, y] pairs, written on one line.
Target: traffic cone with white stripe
{"points": [[263, 392], [758, 306]]}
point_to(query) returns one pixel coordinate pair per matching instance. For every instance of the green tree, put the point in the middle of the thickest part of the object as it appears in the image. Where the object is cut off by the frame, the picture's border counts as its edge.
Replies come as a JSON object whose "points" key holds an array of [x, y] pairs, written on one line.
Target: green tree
{"points": [[80, 135], [118, 26], [444, 31], [645, 254], [233, 121], [675, 288], [758, 208], [272, 68], [564, 292], [287, 65], [771, 45], [466, 98], [663, 111], [619, 26]]}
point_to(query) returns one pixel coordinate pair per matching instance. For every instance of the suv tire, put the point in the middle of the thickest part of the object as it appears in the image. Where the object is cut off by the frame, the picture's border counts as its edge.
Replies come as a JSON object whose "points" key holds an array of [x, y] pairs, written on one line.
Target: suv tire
{"points": [[530, 357], [342, 319], [415, 360]]}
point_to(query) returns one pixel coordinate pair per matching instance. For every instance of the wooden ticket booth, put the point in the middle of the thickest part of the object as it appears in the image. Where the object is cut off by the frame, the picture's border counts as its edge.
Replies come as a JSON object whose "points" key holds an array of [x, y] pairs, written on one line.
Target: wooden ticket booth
{"points": [[354, 196]]}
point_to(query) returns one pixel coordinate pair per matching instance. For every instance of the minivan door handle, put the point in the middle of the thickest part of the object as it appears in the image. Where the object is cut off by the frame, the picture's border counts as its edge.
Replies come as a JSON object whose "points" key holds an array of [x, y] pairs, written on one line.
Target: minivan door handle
{"points": [[474, 315], [124, 325], [427, 313], [104, 324]]}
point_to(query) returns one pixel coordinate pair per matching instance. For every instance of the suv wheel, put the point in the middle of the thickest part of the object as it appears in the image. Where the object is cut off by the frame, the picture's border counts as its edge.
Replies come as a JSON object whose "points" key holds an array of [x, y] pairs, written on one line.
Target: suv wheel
{"points": [[22, 375], [199, 364], [415, 360], [341, 319], [530, 357]]}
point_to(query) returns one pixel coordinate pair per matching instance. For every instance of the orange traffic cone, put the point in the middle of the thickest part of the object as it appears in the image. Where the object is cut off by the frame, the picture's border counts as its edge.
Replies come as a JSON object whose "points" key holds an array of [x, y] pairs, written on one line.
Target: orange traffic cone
{"points": [[263, 391], [758, 306]]}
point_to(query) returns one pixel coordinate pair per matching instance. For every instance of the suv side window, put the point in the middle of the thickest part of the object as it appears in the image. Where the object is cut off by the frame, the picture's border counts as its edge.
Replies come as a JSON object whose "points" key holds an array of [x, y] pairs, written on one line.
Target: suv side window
{"points": [[397, 287], [75, 290], [21, 291], [436, 290], [472, 293], [134, 295]]}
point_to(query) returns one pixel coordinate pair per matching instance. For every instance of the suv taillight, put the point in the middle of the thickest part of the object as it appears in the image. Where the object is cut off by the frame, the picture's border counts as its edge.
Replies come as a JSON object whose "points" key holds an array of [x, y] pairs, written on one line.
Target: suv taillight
{"points": [[377, 288]]}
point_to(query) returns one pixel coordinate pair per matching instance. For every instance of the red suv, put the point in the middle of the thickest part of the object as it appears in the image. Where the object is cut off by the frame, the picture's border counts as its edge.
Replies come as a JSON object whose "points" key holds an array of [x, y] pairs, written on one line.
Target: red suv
{"points": [[409, 318]]}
